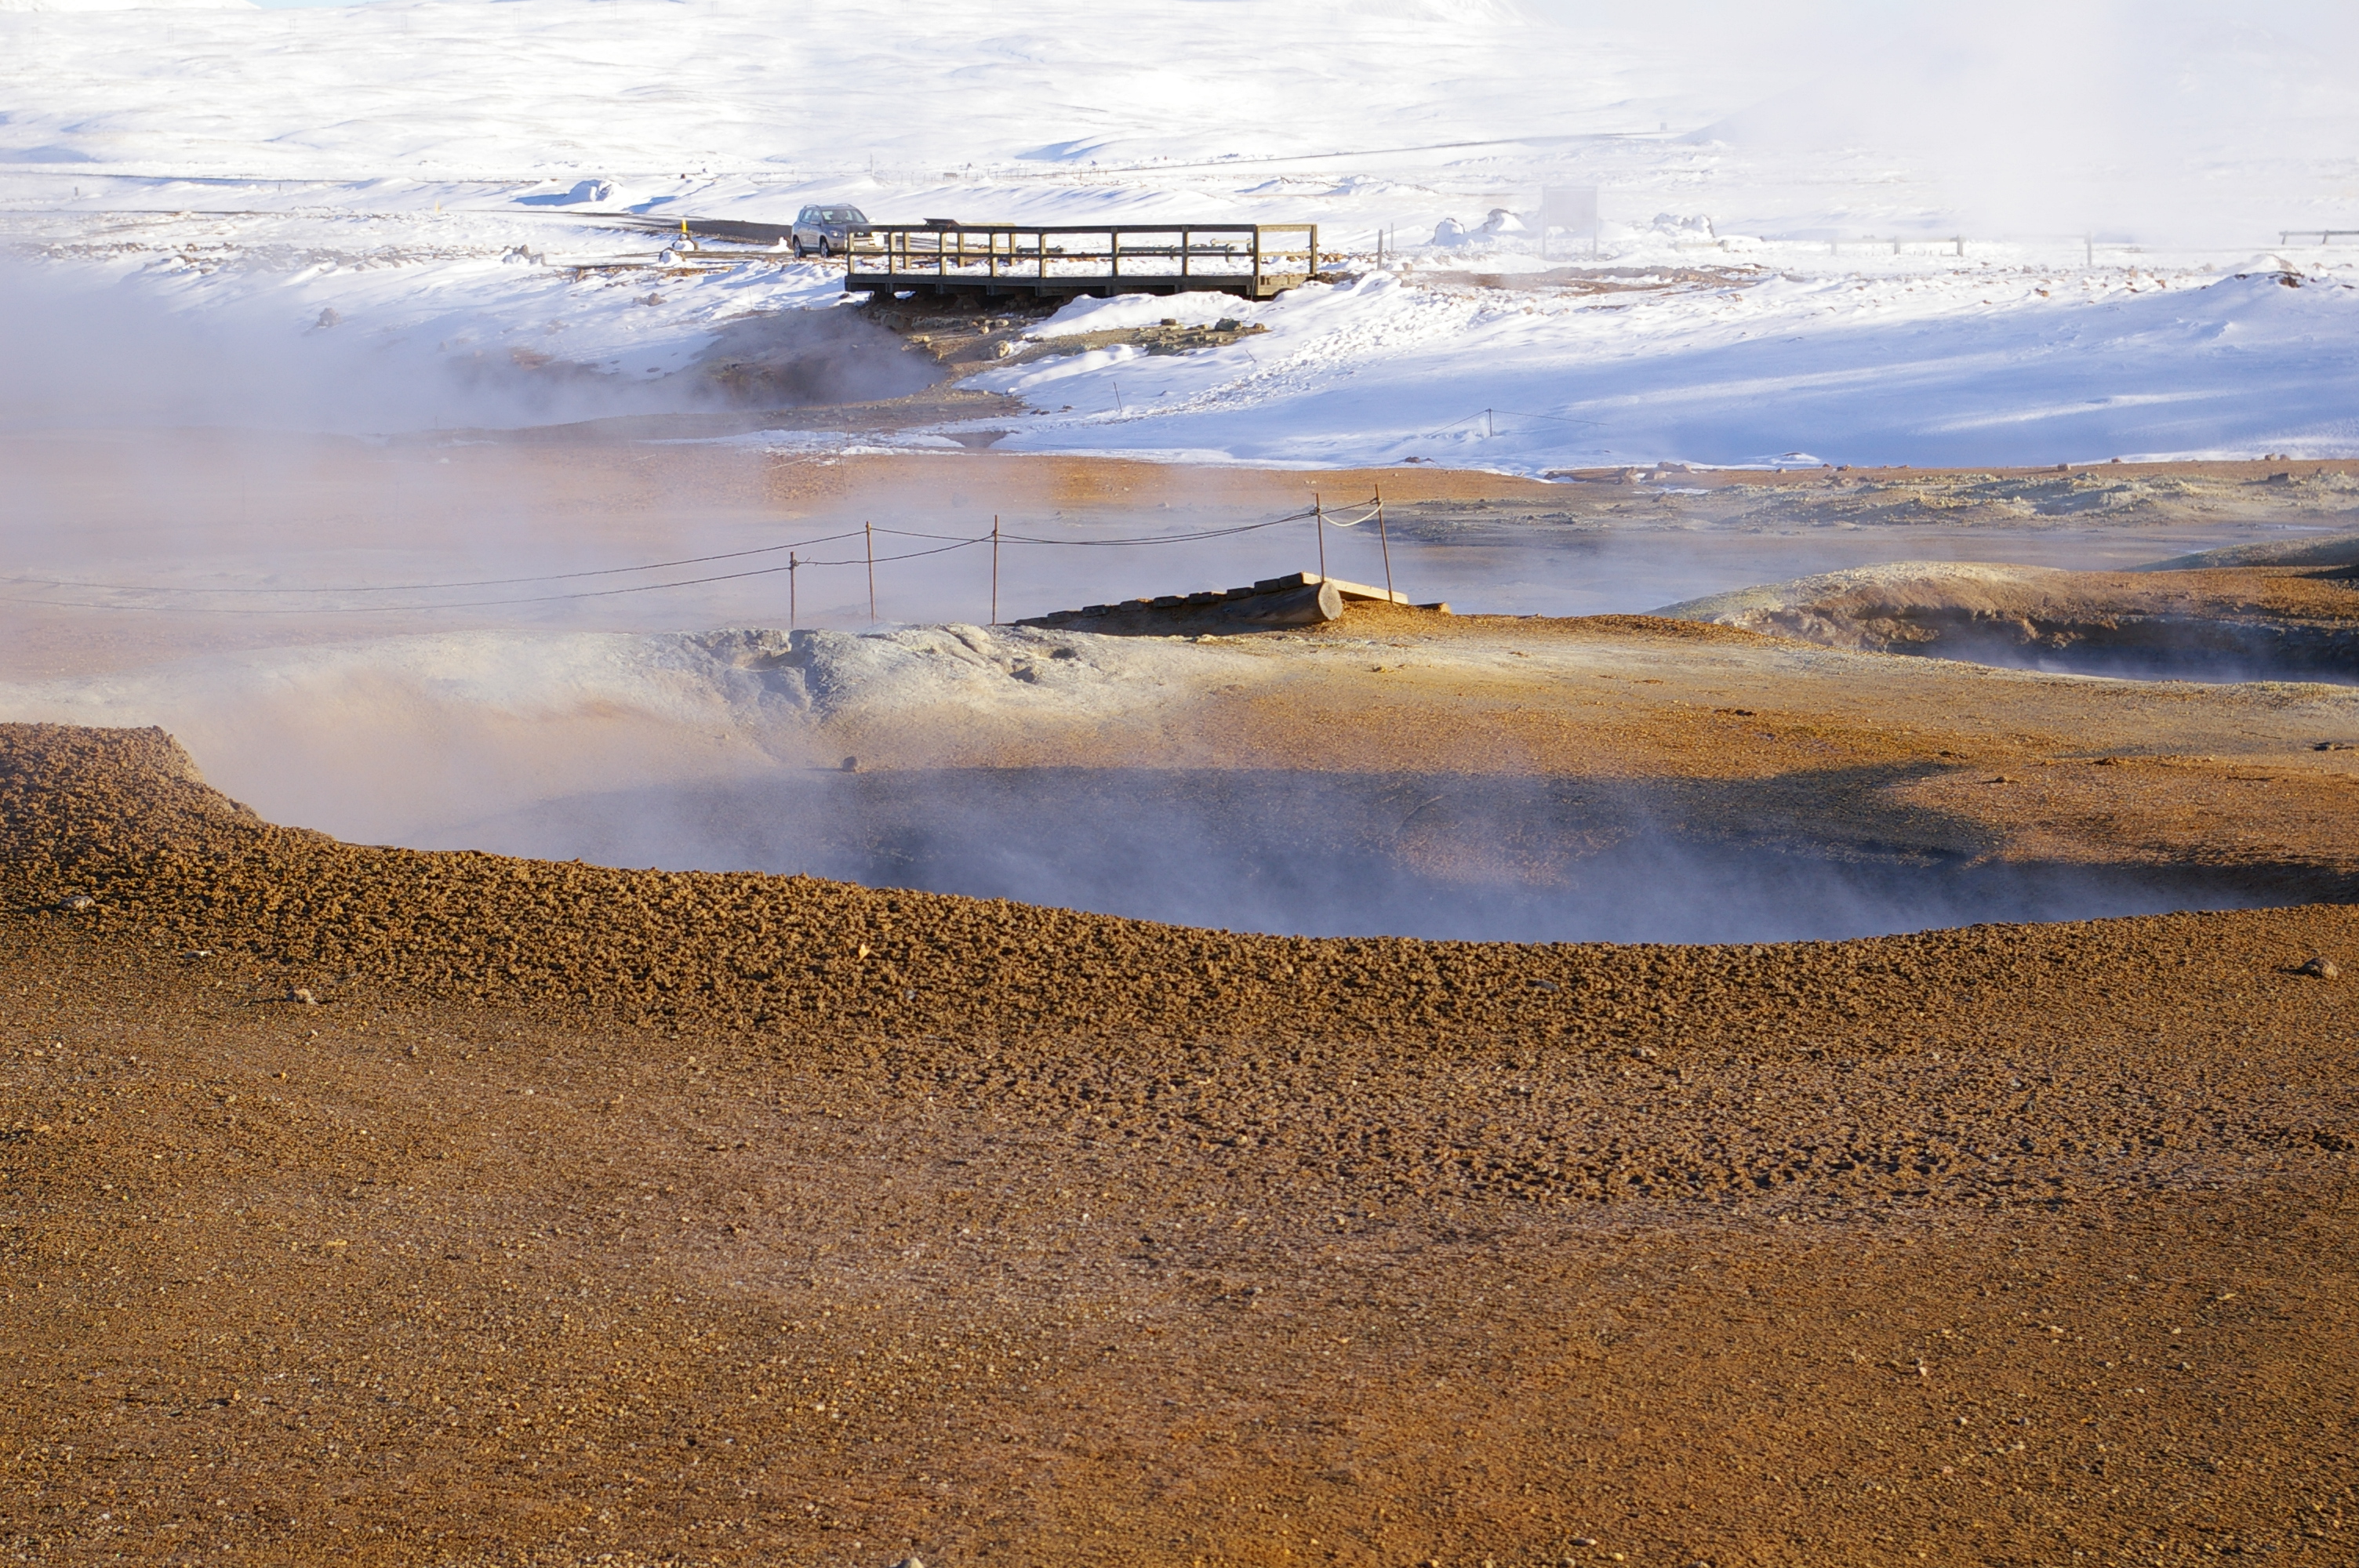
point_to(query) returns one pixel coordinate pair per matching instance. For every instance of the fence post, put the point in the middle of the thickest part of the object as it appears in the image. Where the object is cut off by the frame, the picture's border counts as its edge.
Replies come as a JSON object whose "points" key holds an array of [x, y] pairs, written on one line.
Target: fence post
{"points": [[868, 533], [1384, 544], [995, 569], [792, 564], [1318, 521]]}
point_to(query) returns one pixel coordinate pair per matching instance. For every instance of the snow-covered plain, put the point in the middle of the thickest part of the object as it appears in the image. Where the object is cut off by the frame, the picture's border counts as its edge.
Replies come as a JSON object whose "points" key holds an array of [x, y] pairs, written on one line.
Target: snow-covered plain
{"points": [[1841, 237]]}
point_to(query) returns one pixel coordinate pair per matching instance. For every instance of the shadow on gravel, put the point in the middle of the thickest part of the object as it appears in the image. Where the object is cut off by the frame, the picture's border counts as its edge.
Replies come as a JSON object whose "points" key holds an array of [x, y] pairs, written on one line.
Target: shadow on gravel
{"points": [[2208, 650], [1444, 856]]}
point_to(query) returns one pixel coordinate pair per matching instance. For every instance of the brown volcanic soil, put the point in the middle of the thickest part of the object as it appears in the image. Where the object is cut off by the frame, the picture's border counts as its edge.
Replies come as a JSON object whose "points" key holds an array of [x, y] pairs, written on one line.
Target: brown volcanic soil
{"points": [[594, 1215]]}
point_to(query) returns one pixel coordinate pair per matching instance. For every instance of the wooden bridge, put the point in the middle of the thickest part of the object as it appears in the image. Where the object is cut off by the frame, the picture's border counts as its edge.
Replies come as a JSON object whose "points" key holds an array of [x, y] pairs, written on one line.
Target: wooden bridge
{"points": [[1255, 260]]}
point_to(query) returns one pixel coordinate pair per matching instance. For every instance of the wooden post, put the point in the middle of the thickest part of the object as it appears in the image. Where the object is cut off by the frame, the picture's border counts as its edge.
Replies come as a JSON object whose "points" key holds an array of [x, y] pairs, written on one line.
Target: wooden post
{"points": [[868, 531], [1318, 521], [1183, 253], [995, 569], [1383, 543], [791, 565], [1257, 261]]}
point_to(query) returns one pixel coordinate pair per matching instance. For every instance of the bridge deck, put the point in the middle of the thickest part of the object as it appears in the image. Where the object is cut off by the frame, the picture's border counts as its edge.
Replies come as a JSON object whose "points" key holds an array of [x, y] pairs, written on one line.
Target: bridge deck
{"points": [[1253, 260]]}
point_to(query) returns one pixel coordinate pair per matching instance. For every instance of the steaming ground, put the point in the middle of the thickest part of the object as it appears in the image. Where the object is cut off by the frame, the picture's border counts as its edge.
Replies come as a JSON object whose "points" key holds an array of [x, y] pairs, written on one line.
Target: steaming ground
{"points": [[1401, 772], [1476, 776]]}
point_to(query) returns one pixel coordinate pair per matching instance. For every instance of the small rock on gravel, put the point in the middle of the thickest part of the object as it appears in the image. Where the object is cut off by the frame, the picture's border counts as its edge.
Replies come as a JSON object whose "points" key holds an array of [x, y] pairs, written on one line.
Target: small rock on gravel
{"points": [[2324, 968], [77, 901]]}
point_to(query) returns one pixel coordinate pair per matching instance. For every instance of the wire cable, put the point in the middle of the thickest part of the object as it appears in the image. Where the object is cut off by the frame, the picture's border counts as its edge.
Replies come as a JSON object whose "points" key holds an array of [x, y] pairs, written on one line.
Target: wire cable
{"points": [[533, 598], [1104, 544], [427, 586], [951, 542]]}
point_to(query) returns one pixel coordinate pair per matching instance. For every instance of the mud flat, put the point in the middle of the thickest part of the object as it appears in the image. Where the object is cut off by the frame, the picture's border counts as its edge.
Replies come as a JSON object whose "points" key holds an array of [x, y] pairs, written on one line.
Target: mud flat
{"points": [[309, 541], [390, 1206]]}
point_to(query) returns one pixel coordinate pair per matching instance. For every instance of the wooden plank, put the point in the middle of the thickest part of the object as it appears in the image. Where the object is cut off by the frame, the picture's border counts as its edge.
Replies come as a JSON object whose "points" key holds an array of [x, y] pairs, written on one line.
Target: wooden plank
{"points": [[1348, 589], [1307, 605]]}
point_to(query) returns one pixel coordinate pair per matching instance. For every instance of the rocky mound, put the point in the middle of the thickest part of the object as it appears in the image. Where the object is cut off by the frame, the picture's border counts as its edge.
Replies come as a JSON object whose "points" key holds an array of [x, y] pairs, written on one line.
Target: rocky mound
{"points": [[72, 795], [2298, 621], [2328, 550]]}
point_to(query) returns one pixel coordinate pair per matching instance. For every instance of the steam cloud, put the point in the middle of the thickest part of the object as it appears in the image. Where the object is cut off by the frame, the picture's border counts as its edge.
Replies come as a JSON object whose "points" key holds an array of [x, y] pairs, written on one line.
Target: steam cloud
{"points": [[88, 352], [1444, 856]]}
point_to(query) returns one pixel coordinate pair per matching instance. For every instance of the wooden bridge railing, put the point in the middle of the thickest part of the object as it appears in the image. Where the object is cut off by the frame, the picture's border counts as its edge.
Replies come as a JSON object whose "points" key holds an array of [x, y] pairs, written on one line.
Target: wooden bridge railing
{"points": [[1252, 259]]}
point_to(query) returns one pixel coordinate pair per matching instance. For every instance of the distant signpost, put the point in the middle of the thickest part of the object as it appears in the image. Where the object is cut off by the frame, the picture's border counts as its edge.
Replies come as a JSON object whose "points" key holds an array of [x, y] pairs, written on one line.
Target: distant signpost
{"points": [[1572, 208]]}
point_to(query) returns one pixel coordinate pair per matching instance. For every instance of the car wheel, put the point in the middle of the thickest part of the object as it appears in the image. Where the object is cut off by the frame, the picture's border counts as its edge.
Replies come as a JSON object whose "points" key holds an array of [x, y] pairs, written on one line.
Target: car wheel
{"points": [[798, 245], [822, 246]]}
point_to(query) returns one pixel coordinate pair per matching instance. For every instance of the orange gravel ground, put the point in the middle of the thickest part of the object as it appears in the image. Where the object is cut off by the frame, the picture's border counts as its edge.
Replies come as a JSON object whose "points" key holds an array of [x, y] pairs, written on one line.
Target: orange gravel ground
{"points": [[589, 1216]]}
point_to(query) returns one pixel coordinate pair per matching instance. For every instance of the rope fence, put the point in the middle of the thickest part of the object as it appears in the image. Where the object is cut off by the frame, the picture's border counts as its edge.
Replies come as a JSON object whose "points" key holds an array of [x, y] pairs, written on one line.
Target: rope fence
{"points": [[189, 600]]}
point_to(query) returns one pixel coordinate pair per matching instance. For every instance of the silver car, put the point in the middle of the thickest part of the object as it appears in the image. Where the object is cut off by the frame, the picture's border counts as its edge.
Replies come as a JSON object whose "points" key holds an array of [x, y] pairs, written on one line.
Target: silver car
{"points": [[823, 229]]}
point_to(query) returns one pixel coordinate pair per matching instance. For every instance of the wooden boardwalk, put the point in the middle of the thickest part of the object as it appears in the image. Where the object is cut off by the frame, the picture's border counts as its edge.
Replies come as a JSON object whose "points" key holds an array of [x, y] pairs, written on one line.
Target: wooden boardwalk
{"points": [[1252, 260]]}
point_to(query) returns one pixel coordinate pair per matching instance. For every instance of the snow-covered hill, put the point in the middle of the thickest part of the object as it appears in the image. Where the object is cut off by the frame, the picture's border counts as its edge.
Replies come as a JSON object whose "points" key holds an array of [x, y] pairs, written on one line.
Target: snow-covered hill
{"points": [[1831, 232]]}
